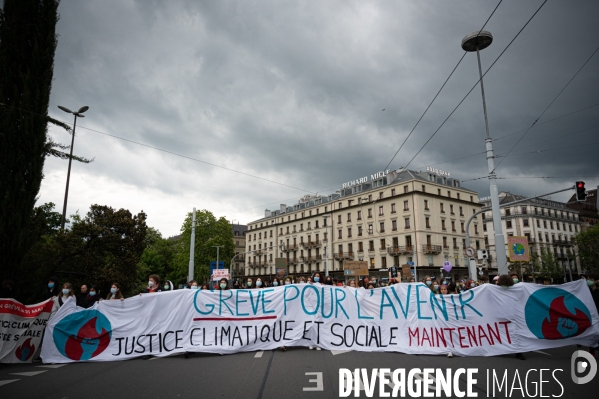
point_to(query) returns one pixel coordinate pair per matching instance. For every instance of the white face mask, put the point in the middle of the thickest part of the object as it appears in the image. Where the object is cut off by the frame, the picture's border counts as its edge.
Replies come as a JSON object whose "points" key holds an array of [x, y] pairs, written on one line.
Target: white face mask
{"points": [[150, 283], [194, 287]]}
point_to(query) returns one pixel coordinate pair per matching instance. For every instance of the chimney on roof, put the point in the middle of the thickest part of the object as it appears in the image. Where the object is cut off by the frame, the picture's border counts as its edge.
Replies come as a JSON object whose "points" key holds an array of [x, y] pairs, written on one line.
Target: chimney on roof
{"points": [[283, 208], [267, 213]]}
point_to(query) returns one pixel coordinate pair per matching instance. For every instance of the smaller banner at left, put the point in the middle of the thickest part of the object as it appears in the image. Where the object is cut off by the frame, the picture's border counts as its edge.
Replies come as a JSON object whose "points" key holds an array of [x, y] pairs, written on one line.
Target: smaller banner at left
{"points": [[21, 329]]}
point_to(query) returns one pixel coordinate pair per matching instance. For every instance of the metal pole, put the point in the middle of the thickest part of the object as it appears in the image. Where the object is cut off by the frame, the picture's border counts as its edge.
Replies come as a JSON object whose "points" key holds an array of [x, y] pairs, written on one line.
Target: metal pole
{"points": [[191, 271], [217, 257], [494, 193], [66, 191]]}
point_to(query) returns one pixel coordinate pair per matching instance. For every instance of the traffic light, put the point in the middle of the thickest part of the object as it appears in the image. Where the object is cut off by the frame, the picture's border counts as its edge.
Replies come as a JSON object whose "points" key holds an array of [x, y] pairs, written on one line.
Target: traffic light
{"points": [[581, 193]]}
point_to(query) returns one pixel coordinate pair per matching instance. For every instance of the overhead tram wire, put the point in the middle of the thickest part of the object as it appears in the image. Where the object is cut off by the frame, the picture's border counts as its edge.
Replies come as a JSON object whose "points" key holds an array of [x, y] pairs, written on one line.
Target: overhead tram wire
{"points": [[550, 120], [439, 92], [172, 153], [535, 177], [477, 82], [550, 104]]}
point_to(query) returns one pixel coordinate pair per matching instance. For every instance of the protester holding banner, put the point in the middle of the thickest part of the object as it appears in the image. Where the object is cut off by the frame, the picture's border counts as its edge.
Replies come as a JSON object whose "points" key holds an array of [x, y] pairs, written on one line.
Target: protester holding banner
{"points": [[317, 278], [153, 284], [66, 293], [259, 283], [223, 284], [115, 292], [276, 282], [192, 285], [81, 296], [204, 287], [249, 283], [443, 290], [53, 288]]}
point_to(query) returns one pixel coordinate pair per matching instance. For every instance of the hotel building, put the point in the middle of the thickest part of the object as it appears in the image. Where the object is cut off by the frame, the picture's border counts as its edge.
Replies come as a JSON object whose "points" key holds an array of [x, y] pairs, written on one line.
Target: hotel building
{"points": [[390, 218]]}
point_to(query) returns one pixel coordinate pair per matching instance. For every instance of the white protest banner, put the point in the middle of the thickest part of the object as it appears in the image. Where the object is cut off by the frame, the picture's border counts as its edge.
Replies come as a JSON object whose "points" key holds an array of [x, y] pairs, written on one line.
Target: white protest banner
{"points": [[409, 318], [21, 328], [217, 274]]}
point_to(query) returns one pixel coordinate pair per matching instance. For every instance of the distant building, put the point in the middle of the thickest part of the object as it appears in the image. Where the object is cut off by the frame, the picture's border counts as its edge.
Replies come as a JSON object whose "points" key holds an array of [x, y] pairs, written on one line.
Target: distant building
{"points": [[239, 232], [388, 219], [588, 210], [546, 223]]}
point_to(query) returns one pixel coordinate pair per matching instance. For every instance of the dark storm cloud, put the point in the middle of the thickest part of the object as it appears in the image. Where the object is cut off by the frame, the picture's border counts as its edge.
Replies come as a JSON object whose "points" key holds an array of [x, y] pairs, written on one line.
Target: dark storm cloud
{"points": [[294, 93]]}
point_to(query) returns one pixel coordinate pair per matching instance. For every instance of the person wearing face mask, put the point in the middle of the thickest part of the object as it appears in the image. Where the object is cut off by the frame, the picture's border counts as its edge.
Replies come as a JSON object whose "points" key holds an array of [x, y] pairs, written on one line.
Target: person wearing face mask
{"points": [[258, 283], [328, 280], [428, 281], [249, 284], [65, 293], [168, 286], [317, 278], [153, 285], [53, 288], [192, 285], [287, 281], [435, 287], [352, 283], [92, 297], [276, 282], [514, 277], [223, 284], [115, 292]]}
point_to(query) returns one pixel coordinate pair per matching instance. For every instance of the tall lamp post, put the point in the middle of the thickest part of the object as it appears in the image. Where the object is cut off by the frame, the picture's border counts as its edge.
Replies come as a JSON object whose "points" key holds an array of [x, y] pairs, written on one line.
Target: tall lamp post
{"points": [[66, 191], [475, 42], [326, 247]]}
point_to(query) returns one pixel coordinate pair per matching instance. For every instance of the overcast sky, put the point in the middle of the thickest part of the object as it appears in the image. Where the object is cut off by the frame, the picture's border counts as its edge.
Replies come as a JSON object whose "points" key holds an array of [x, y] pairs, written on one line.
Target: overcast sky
{"points": [[294, 92]]}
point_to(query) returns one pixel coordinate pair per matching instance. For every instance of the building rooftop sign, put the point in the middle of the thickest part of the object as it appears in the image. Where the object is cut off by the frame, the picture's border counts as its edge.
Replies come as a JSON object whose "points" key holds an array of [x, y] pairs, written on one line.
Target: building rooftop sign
{"points": [[438, 172], [365, 179]]}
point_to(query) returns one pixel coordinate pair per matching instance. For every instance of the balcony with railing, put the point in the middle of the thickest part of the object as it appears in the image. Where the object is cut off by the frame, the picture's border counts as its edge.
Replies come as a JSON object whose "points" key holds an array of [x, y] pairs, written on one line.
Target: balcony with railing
{"points": [[431, 249], [399, 250], [562, 242]]}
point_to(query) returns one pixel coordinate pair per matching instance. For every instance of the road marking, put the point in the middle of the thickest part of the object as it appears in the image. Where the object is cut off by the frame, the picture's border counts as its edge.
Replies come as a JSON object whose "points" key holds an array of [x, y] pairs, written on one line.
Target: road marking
{"points": [[4, 382], [52, 366], [154, 358], [544, 353], [318, 380], [29, 373], [338, 352], [259, 354], [420, 376]]}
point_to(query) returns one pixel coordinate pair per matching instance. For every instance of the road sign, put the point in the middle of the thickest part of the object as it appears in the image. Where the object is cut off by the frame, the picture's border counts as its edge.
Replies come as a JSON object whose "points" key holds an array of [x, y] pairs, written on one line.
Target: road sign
{"points": [[411, 263], [469, 252]]}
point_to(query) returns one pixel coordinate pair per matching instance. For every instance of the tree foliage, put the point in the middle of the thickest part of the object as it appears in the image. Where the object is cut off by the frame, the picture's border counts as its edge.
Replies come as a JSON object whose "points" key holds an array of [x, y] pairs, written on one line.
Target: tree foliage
{"points": [[103, 247], [27, 46], [209, 233], [548, 266], [588, 249]]}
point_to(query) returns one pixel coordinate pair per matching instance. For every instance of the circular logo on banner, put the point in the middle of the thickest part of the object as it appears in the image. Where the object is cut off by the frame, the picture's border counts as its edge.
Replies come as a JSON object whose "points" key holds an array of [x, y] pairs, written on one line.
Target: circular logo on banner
{"points": [[25, 350], [82, 335], [552, 313]]}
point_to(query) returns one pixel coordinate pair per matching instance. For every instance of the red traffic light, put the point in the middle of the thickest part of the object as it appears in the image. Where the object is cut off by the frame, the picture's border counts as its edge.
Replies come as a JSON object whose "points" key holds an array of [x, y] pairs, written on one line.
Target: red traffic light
{"points": [[580, 184]]}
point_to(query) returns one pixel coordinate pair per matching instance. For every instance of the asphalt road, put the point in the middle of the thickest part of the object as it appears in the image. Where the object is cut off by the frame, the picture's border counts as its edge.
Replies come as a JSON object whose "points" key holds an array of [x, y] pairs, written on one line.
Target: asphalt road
{"points": [[296, 373]]}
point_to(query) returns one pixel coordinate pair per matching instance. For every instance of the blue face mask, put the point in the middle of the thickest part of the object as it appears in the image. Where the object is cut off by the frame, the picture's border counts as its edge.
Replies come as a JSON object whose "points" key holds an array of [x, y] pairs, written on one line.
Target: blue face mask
{"points": [[429, 283], [194, 287], [316, 279], [113, 290], [275, 283], [65, 291], [50, 285], [258, 283], [92, 293]]}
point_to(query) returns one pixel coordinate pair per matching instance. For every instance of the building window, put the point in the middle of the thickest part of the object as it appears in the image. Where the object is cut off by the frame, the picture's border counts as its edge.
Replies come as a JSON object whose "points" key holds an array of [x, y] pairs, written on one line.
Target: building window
{"points": [[370, 229], [458, 195], [475, 229], [372, 263], [449, 193], [381, 210], [340, 234], [339, 219], [423, 188], [349, 216], [407, 223], [359, 231], [428, 222], [349, 232], [508, 212], [426, 205], [360, 247], [525, 222], [462, 226], [443, 224], [445, 242], [369, 212], [406, 206], [451, 210], [461, 211], [405, 189], [359, 215], [382, 227], [392, 191], [381, 195], [383, 245], [508, 224], [394, 225], [393, 207], [383, 262], [442, 208], [371, 245], [453, 226]]}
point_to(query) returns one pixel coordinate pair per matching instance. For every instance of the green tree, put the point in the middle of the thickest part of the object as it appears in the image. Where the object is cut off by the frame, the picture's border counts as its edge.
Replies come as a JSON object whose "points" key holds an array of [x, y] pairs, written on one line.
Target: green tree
{"points": [[588, 249], [101, 248], [548, 266], [157, 258], [27, 46], [209, 232]]}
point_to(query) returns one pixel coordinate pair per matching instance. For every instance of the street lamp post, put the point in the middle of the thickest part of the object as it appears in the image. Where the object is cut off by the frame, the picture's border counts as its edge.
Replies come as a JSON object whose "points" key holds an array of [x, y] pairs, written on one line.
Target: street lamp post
{"points": [[326, 247], [66, 191], [475, 42]]}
